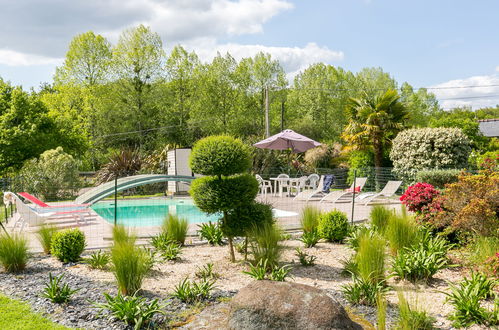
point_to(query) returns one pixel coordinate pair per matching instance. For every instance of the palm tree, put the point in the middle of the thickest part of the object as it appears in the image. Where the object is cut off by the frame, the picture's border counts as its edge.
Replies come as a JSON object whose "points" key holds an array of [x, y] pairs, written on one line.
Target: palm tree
{"points": [[373, 122]]}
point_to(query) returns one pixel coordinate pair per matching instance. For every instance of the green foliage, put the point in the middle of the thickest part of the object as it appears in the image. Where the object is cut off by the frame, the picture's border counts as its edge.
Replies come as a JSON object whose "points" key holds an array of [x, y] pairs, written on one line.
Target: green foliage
{"points": [[323, 156], [364, 291], [191, 292], [466, 299], [304, 258], [170, 251], [160, 240], [265, 244], [258, 271], [333, 226], [123, 235], [380, 216], [175, 228], [418, 263], [13, 252], [381, 312], [360, 163], [130, 265], [211, 232], [220, 155], [310, 238], [212, 194], [97, 260], [309, 218], [412, 318], [482, 248], [370, 258], [207, 272], [429, 148], [56, 292], [401, 232], [133, 310], [438, 178], [44, 235], [54, 175], [356, 234], [279, 274], [121, 164], [241, 220], [67, 245]]}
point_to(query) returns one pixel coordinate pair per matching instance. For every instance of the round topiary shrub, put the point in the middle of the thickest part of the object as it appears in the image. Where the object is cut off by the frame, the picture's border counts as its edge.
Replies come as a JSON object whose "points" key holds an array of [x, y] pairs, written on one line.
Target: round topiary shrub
{"points": [[220, 155], [243, 219], [67, 245], [333, 226]]}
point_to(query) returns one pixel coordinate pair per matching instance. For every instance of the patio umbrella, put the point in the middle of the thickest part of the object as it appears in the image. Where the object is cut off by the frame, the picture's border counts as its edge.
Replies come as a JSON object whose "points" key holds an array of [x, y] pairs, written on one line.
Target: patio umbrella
{"points": [[287, 139]]}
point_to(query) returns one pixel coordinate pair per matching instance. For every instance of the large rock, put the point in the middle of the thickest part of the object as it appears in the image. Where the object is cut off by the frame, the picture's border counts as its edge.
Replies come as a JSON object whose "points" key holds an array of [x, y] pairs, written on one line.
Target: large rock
{"points": [[286, 305]]}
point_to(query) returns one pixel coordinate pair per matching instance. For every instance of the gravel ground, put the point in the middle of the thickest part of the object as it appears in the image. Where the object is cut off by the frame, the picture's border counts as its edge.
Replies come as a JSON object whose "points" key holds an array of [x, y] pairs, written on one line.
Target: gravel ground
{"points": [[326, 274]]}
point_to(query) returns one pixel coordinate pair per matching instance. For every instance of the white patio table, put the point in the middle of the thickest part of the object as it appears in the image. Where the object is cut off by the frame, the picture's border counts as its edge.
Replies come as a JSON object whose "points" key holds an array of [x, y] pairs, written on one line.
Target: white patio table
{"points": [[288, 182]]}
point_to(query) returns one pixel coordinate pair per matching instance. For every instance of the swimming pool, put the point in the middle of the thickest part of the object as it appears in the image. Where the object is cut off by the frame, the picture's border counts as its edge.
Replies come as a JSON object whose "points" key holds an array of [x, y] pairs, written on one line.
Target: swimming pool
{"points": [[152, 212]]}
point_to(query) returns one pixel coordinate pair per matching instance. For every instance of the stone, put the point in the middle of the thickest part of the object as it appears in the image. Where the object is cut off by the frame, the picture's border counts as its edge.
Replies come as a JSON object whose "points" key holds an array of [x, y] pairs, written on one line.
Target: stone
{"points": [[285, 305]]}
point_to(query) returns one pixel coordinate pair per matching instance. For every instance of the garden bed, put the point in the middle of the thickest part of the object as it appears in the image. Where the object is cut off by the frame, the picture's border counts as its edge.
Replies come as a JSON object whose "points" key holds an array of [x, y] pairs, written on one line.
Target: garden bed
{"points": [[326, 274]]}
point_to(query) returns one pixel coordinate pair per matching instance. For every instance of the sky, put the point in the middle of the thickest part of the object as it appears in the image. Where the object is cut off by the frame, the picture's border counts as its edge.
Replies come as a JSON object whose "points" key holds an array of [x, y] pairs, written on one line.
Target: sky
{"points": [[440, 44]]}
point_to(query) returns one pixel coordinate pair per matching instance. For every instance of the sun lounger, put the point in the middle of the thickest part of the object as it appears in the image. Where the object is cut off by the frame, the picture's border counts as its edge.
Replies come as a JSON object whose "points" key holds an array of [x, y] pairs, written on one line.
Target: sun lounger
{"points": [[388, 191], [316, 193], [38, 202], [334, 196]]}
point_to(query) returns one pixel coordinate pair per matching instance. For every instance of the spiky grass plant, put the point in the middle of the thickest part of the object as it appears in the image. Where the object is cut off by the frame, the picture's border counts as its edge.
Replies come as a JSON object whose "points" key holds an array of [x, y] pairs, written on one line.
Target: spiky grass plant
{"points": [[380, 216], [175, 228], [13, 252], [370, 258], [265, 244], [121, 234], [482, 248], [412, 317], [381, 305], [401, 231], [309, 219], [44, 235]]}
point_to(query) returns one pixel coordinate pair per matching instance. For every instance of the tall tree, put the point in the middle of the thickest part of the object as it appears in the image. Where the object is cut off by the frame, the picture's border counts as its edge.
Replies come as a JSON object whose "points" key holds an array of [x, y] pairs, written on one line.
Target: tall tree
{"points": [[421, 105], [374, 121]]}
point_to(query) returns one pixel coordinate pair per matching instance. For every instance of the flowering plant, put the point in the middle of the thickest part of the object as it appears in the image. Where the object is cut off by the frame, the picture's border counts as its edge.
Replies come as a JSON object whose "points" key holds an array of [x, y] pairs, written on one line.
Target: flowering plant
{"points": [[419, 197]]}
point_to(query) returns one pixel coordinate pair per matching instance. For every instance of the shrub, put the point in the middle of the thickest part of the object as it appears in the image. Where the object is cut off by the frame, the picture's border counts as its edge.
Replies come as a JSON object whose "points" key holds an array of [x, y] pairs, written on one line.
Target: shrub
{"points": [[438, 178], [175, 228], [54, 175], [122, 235], [356, 233], [466, 298], [13, 252], [55, 292], [322, 156], [211, 232], [134, 311], [471, 204], [170, 251], [411, 318], [67, 245], [258, 271], [160, 241], [482, 248], [304, 258], [309, 219], [401, 232], [429, 148], [44, 235], [279, 274], [220, 155], [123, 163], [370, 258], [310, 238], [333, 226], [492, 264], [417, 263], [130, 266], [418, 196], [97, 260], [206, 272], [380, 216], [243, 219], [364, 291], [191, 292], [265, 244]]}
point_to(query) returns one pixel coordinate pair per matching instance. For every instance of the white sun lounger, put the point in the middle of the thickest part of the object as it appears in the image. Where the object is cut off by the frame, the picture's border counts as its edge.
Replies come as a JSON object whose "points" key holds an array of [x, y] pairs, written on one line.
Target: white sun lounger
{"points": [[388, 191], [307, 195], [334, 196]]}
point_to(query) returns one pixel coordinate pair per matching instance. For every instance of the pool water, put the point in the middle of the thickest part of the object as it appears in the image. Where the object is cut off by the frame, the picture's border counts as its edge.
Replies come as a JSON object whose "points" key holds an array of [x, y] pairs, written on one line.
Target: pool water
{"points": [[151, 212]]}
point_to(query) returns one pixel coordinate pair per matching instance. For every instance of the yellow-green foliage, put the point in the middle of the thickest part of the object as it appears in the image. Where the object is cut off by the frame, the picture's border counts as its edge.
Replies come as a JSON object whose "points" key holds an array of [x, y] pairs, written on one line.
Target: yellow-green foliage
{"points": [[401, 231]]}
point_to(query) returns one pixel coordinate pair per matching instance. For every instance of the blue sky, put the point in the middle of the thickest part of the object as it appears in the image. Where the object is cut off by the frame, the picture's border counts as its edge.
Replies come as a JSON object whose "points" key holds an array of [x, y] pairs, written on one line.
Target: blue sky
{"points": [[426, 43]]}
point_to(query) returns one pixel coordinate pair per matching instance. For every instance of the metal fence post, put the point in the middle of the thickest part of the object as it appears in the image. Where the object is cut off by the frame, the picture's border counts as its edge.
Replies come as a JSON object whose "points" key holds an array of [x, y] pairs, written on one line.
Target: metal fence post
{"points": [[115, 200], [353, 193]]}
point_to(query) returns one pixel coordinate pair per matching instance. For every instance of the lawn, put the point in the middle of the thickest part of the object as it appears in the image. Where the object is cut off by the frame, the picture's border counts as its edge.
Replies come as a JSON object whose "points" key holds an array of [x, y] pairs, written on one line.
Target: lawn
{"points": [[18, 315]]}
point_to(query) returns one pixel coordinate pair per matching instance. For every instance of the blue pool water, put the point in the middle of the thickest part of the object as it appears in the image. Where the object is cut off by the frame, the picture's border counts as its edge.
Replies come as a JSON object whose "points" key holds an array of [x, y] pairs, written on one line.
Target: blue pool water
{"points": [[151, 212]]}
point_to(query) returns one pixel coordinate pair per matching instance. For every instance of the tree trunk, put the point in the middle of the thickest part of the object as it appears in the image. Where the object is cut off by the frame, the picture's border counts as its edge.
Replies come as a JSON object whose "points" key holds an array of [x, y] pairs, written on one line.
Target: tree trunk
{"points": [[378, 161], [231, 248], [246, 248]]}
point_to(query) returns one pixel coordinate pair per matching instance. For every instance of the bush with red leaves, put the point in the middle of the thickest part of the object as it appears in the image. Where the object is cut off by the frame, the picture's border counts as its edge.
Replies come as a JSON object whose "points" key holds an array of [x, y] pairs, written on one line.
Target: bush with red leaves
{"points": [[418, 198]]}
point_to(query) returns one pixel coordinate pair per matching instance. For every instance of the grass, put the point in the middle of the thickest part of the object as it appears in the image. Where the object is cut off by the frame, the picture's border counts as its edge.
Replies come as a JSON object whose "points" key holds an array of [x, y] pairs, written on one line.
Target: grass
{"points": [[483, 248], [123, 235], [175, 228], [18, 315], [380, 216], [412, 317], [13, 252], [265, 244], [309, 219], [370, 258], [401, 232], [44, 235]]}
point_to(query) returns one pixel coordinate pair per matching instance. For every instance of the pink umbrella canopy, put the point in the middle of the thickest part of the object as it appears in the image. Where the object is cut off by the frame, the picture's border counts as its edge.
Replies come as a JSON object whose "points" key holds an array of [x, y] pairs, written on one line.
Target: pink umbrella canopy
{"points": [[287, 139]]}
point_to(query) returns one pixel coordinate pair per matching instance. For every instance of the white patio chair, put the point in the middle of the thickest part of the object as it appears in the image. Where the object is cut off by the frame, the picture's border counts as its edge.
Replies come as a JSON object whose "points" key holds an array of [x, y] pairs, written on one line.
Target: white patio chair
{"points": [[309, 194], [283, 184], [299, 185], [336, 195], [264, 185], [312, 179]]}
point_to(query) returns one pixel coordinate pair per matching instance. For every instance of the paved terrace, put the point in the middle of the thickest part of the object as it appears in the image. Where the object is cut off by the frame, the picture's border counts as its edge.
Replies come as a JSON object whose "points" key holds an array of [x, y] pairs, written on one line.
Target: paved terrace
{"points": [[98, 231]]}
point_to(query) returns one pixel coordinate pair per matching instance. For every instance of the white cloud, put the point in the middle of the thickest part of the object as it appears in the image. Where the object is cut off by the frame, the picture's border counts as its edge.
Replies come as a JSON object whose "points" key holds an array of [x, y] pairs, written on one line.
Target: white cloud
{"points": [[497, 68], [13, 58], [466, 96]]}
